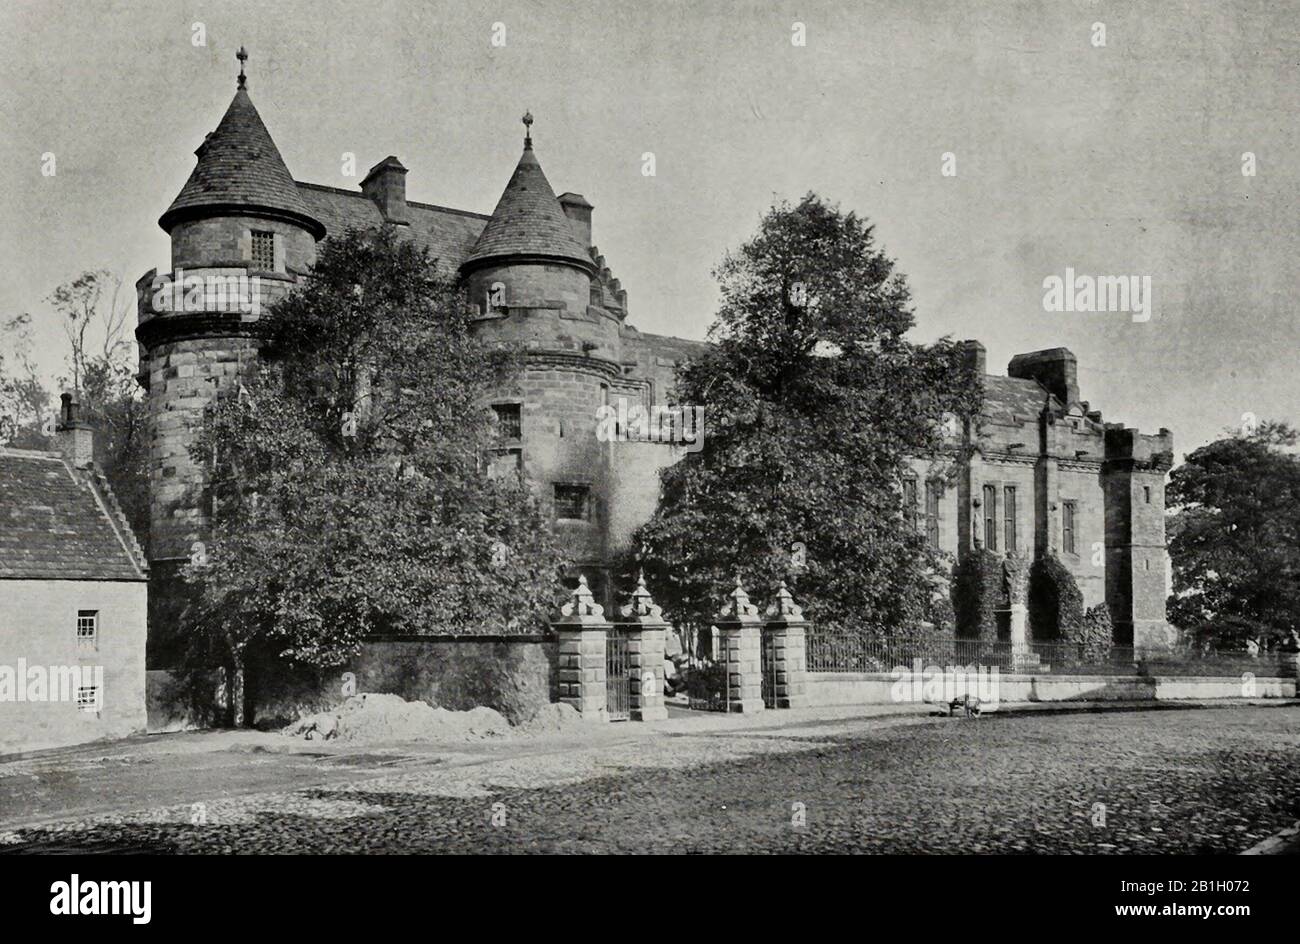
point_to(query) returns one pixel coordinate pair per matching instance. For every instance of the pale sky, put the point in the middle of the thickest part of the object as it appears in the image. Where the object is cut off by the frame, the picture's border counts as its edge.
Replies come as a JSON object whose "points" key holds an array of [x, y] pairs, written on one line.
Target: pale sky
{"points": [[1122, 160]]}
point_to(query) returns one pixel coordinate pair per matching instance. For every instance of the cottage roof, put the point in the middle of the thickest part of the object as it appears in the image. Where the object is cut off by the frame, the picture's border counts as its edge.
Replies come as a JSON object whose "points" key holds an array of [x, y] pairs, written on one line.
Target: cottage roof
{"points": [[59, 523]]}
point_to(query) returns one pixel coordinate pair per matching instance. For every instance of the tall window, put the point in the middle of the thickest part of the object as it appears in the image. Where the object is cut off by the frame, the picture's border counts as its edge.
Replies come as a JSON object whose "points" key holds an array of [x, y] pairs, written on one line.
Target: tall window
{"points": [[933, 490], [991, 517], [263, 251], [509, 424], [571, 502], [1067, 527], [909, 502], [1009, 518], [1146, 494]]}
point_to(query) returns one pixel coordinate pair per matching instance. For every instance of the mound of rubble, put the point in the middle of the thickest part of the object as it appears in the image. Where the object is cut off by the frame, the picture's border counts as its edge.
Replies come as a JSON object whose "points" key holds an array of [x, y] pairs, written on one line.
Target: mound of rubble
{"points": [[379, 717], [553, 719]]}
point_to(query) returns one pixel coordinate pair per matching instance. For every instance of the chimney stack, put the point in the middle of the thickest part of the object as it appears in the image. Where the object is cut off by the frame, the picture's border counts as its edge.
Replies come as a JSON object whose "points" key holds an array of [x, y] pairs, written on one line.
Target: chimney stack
{"points": [[975, 358], [385, 184], [578, 210], [75, 436], [1056, 369]]}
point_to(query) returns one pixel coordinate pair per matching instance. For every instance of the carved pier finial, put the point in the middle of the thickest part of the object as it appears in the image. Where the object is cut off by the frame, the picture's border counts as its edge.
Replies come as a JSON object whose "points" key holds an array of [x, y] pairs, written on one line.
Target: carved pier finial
{"points": [[582, 604], [784, 606], [738, 605], [643, 605]]}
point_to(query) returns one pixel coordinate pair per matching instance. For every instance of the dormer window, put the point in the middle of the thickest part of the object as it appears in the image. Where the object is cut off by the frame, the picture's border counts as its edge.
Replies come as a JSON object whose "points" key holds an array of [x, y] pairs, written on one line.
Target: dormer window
{"points": [[263, 253]]}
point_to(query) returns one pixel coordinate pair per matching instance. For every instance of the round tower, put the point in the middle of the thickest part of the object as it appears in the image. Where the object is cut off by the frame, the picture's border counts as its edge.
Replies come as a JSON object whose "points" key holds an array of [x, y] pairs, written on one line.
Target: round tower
{"points": [[529, 280], [241, 235]]}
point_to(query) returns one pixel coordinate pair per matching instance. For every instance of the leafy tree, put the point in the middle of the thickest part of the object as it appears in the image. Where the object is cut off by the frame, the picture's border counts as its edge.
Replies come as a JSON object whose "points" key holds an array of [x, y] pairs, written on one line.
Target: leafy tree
{"points": [[101, 358], [813, 401], [26, 416], [350, 492], [1235, 540]]}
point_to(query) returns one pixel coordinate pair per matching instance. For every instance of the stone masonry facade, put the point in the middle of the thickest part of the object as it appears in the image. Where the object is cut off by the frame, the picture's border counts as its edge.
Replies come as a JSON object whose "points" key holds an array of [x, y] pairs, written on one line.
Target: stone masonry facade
{"points": [[534, 278]]}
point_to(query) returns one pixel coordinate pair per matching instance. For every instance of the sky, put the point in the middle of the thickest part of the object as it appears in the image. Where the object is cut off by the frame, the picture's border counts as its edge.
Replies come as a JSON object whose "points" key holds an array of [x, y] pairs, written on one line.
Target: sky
{"points": [[1122, 159]]}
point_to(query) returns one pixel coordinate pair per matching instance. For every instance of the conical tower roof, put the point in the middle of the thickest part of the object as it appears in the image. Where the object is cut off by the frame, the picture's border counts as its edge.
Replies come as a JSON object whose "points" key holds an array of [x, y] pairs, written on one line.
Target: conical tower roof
{"points": [[529, 222], [240, 171]]}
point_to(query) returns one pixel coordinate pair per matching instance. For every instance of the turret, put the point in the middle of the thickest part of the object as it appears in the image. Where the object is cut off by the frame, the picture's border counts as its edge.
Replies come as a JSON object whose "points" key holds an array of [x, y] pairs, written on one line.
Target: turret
{"points": [[529, 281], [1133, 477], [241, 235]]}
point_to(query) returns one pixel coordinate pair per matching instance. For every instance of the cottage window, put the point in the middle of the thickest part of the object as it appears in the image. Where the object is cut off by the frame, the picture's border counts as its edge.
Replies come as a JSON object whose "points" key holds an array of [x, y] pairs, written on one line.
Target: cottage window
{"points": [[88, 698], [87, 624]]}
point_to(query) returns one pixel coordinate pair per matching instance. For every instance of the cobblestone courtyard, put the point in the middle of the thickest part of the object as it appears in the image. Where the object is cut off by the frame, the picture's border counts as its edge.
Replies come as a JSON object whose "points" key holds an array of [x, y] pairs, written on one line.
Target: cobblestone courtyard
{"points": [[1216, 780]]}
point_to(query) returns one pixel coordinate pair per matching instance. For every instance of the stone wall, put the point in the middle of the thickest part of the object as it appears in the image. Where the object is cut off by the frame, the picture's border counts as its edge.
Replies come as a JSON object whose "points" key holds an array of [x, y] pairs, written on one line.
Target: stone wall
{"points": [[881, 688], [38, 624]]}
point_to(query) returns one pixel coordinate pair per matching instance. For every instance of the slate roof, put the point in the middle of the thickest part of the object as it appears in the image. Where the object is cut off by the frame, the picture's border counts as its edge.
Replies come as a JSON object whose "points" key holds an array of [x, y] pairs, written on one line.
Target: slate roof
{"points": [[240, 166], [528, 220], [61, 524], [448, 234], [1006, 398]]}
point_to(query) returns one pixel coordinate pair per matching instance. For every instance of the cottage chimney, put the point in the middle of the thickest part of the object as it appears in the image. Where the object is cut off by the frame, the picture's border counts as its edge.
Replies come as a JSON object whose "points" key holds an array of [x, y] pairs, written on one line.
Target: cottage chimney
{"points": [[386, 185], [578, 210], [75, 436]]}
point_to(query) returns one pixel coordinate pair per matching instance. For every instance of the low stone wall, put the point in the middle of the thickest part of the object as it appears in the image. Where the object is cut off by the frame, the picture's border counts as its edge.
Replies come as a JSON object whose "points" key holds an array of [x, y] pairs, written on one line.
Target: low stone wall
{"points": [[884, 688], [514, 675]]}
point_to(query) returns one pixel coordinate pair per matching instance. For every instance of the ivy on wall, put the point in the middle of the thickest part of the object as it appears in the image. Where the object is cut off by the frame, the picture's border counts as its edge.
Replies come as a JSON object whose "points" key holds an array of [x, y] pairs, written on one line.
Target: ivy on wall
{"points": [[1055, 602], [976, 594]]}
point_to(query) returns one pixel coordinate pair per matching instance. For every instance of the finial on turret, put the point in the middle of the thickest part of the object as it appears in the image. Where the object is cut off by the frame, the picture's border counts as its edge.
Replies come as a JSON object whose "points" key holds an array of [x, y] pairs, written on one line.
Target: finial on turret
{"points": [[528, 130], [242, 56]]}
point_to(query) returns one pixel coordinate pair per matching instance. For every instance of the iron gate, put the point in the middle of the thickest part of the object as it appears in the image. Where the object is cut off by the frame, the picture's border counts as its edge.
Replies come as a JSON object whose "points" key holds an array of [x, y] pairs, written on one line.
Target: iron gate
{"points": [[767, 667], [708, 683], [618, 676]]}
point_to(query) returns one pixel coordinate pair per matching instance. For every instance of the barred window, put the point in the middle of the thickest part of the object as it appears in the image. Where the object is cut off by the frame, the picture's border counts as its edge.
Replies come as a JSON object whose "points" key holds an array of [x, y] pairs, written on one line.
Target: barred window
{"points": [[933, 492], [263, 251], [909, 503], [87, 624], [88, 698], [572, 501], [1067, 527], [1009, 517], [509, 421], [991, 517]]}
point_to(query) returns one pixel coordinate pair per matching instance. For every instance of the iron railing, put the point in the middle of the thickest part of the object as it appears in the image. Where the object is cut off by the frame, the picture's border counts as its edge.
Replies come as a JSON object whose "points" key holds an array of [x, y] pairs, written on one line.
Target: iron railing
{"points": [[848, 651]]}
